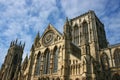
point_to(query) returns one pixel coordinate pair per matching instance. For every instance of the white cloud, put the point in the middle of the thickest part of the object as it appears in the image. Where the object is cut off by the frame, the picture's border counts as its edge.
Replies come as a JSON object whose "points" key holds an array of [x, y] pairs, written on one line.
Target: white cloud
{"points": [[112, 26], [105, 10], [22, 21], [23, 18], [74, 8]]}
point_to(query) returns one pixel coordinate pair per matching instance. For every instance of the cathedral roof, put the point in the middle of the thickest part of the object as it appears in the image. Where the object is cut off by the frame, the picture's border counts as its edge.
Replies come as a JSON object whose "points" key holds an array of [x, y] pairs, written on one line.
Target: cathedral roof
{"points": [[51, 28]]}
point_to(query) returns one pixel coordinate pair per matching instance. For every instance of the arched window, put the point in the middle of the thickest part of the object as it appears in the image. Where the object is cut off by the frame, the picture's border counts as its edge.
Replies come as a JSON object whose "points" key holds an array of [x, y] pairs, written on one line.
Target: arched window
{"points": [[85, 31], [55, 59], [15, 59], [117, 57], [38, 64], [46, 61], [76, 34], [104, 61]]}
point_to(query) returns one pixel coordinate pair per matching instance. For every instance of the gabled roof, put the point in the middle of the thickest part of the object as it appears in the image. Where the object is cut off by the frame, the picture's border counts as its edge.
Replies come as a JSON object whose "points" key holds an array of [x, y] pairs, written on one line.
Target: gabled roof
{"points": [[51, 28]]}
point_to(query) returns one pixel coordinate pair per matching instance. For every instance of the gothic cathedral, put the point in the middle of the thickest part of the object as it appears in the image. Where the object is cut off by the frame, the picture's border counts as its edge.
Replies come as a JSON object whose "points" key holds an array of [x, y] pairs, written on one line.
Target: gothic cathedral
{"points": [[81, 52]]}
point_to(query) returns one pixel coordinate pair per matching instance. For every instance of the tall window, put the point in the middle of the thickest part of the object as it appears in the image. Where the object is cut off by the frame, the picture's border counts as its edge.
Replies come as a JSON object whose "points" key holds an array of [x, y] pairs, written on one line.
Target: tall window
{"points": [[55, 59], [104, 61], [85, 31], [117, 57], [46, 61], [76, 34], [38, 64]]}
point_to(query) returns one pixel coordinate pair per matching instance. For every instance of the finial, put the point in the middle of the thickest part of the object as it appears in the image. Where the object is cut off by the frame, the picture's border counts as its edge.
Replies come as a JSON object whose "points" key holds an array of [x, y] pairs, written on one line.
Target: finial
{"points": [[66, 18], [20, 43], [16, 40], [38, 35], [26, 56], [23, 45], [11, 44], [32, 48], [67, 21]]}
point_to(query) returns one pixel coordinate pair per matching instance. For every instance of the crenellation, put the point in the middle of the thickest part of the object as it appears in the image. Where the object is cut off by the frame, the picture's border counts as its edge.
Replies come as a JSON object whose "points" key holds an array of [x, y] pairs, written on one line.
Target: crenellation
{"points": [[80, 53]]}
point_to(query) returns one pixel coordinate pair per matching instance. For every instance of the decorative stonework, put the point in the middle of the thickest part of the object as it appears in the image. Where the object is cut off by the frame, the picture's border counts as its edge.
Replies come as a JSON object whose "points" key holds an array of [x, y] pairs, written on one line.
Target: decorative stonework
{"points": [[48, 38], [74, 55]]}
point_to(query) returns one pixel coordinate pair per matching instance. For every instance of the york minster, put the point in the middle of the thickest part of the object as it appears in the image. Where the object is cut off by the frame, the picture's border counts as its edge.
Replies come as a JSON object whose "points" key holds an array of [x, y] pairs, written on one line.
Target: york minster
{"points": [[81, 52]]}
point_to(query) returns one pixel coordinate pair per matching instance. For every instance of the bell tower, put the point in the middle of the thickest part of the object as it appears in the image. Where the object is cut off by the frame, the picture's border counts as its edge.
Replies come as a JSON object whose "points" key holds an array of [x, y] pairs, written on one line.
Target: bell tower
{"points": [[11, 66]]}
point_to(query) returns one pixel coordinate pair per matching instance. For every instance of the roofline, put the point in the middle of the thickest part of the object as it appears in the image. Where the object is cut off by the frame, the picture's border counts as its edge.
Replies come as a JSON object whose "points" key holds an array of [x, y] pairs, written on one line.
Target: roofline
{"points": [[114, 45], [111, 46], [90, 11]]}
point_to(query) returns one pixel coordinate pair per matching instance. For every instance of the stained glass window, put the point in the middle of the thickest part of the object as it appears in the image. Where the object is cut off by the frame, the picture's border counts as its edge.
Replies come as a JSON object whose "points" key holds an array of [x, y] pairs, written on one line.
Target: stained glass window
{"points": [[76, 34], [104, 61], [117, 57], [46, 61], [55, 59], [85, 31], [38, 64]]}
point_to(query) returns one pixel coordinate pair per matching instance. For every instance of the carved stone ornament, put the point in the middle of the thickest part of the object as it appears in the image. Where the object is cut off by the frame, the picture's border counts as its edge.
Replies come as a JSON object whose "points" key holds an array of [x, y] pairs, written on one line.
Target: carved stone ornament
{"points": [[48, 38]]}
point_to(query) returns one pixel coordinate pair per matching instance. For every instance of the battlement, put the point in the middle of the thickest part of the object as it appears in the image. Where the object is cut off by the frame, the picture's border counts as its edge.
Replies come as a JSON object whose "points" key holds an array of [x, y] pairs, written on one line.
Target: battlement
{"points": [[17, 44]]}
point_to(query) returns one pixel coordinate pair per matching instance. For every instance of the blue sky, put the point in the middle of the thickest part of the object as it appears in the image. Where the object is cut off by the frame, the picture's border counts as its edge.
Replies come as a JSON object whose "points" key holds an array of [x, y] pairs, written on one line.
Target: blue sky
{"points": [[22, 19]]}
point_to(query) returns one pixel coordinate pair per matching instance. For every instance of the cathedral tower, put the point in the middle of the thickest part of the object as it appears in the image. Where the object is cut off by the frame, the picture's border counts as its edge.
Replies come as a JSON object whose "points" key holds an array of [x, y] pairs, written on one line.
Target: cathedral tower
{"points": [[11, 66]]}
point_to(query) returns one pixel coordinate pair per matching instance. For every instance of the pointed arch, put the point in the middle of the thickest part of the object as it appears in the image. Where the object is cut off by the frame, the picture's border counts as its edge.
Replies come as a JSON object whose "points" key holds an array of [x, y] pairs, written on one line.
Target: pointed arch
{"points": [[46, 59], [104, 61], [76, 34], [55, 59], [38, 64], [85, 26], [117, 57], [85, 31]]}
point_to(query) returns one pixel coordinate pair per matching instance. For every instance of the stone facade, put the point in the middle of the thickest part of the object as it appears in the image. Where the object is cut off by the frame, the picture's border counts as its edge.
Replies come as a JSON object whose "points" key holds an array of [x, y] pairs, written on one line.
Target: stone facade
{"points": [[80, 53], [12, 63]]}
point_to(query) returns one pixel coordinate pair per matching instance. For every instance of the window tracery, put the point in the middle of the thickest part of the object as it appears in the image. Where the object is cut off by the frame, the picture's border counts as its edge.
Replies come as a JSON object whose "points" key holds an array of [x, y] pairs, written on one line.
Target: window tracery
{"points": [[38, 64], [104, 61], [46, 61], [85, 31], [76, 34], [55, 59], [117, 57]]}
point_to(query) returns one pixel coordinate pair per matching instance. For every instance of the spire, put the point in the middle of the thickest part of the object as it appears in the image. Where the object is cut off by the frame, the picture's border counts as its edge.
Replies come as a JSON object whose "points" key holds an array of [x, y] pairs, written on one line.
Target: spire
{"points": [[32, 48], [11, 44], [26, 58], [67, 21], [67, 25], [23, 45], [38, 35], [16, 40], [37, 38], [20, 43], [67, 28]]}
